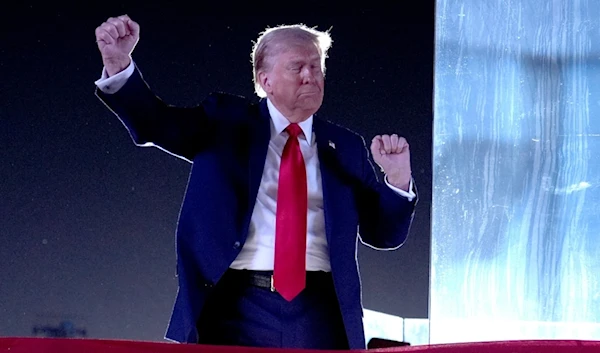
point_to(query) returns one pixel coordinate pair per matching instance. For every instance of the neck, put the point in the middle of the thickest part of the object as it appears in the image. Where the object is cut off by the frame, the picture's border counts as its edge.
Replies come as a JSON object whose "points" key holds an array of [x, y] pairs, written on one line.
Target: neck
{"points": [[293, 116], [297, 119]]}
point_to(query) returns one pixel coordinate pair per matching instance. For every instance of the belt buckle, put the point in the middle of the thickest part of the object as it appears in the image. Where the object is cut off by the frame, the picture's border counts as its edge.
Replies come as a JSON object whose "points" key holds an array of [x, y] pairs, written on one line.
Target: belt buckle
{"points": [[272, 286]]}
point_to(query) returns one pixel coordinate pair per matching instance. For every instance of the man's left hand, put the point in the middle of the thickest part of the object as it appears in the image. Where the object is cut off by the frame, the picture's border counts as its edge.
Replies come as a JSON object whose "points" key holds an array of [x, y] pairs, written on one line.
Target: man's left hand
{"points": [[392, 154]]}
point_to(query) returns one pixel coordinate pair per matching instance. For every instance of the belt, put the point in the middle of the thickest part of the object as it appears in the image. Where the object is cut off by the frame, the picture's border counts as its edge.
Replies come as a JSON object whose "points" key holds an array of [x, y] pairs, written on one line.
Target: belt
{"points": [[261, 280], [264, 279]]}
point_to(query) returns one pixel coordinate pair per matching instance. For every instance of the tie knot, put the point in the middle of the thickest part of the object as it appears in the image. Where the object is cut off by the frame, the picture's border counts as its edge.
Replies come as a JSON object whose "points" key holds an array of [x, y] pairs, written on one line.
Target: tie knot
{"points": [[294, 130]]}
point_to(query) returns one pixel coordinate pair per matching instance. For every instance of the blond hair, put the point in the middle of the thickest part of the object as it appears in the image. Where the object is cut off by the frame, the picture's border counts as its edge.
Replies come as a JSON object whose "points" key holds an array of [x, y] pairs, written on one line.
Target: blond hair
{"points": [[273, 41]]}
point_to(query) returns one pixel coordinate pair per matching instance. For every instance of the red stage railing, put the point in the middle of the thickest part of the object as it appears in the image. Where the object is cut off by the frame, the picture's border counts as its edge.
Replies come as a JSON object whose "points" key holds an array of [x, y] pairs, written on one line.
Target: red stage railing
{"points": [[76, 345]]}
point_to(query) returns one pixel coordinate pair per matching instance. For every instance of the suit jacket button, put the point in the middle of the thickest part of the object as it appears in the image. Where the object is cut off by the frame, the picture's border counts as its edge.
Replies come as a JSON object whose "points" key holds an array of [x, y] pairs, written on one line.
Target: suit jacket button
{"points": [[236, 245]]}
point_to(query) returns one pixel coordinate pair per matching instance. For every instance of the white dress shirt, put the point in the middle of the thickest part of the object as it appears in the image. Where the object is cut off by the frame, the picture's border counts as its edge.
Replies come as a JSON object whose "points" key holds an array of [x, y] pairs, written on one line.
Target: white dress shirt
{"points": [[259, 248]]}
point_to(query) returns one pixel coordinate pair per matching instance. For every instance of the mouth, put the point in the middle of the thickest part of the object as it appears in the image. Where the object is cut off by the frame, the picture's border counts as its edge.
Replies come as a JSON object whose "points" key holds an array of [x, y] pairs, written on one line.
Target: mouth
{"points": [[311, 93]]}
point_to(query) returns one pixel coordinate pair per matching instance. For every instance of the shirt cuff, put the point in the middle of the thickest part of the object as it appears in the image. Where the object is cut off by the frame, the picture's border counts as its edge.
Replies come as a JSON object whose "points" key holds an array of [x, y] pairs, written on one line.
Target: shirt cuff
{"points": [[410, 195], [114, 83]]}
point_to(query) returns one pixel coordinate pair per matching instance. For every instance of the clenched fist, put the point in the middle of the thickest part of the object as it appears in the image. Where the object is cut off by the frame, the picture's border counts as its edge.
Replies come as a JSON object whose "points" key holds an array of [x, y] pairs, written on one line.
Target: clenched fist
{"points": [[392, 154], [116, 39]]}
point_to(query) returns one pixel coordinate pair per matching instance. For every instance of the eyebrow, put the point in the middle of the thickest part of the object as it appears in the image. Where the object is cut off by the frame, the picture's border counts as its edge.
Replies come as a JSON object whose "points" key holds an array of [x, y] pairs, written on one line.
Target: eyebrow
{"points": [[298, 61]]}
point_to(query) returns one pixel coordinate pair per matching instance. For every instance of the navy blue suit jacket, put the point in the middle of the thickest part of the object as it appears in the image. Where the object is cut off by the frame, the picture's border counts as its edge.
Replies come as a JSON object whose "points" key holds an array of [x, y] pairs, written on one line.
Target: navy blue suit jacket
{"points": [[226, 138]]}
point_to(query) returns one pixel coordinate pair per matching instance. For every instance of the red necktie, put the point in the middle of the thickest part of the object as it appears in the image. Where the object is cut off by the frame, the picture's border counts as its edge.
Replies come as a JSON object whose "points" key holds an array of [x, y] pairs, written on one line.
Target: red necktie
{"points": [[289, 275]]}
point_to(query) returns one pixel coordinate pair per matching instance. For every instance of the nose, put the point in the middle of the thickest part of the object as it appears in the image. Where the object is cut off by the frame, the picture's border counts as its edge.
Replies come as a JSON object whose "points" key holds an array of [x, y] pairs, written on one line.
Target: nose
{"points": [[307, 76]]}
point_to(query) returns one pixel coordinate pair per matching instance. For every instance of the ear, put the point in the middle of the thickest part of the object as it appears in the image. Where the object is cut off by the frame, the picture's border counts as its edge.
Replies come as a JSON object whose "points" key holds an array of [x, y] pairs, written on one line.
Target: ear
{"points": [[265, 82]]}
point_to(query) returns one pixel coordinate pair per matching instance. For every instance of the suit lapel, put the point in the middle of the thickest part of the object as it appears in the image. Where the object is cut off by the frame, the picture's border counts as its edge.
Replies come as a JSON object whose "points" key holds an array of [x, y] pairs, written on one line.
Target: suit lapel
{"points": [[327, 163], [260, 135]]}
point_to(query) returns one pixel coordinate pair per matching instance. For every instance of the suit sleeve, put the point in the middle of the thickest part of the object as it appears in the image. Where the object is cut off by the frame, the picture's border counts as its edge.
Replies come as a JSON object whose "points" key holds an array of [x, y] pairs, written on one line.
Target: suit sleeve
{"points": [[181, 131], [385, 216]]}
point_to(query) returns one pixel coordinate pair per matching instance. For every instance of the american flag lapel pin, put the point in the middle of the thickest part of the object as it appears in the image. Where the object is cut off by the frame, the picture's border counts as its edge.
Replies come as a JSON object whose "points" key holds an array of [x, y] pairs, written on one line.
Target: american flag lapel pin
{"points": [[331, 144]]}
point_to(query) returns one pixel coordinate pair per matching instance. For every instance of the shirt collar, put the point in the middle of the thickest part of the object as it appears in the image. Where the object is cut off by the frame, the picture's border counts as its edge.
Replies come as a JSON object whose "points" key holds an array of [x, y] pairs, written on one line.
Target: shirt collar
{"points": [[280, 122]]}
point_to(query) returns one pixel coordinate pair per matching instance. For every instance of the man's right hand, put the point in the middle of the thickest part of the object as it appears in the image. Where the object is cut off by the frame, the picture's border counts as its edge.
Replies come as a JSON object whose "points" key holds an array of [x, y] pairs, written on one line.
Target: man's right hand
{"points": [[116, 39]]}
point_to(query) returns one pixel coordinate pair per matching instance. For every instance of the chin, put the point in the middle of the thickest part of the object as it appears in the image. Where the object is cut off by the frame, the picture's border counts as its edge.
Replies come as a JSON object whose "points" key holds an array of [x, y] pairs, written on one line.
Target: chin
{"points": [[312, 108], [312, 102]]}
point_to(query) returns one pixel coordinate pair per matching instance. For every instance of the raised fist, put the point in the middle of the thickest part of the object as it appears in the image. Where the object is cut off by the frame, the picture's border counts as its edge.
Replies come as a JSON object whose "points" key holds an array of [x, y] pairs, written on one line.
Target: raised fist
{"points": [[116, 39], [392, 154]]}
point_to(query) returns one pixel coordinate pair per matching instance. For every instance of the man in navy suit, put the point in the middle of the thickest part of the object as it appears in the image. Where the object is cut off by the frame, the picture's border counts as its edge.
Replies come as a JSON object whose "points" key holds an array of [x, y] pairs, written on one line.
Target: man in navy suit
{"points": [[277, 197]]}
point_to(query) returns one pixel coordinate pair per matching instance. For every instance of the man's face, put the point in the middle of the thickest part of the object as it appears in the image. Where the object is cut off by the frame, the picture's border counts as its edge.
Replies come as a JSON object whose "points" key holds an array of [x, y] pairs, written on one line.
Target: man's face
{"points": [[295, 82]]}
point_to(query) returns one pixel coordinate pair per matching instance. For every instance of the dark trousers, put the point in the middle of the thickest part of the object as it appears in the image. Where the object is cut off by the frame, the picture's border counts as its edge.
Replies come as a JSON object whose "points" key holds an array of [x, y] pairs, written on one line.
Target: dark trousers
{"points": [[238, 313]]}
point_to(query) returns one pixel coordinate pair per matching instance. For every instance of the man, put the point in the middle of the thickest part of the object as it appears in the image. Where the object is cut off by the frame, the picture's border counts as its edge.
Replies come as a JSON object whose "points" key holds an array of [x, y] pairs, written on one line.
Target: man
{"points": [[267, 234]]}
